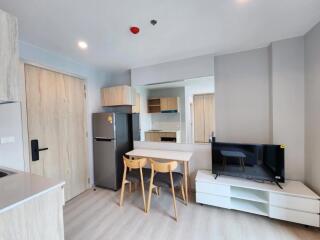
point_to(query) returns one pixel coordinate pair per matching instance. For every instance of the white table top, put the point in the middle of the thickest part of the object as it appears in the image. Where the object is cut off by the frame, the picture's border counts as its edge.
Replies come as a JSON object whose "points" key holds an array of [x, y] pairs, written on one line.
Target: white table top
{"points": [[161, 154]]}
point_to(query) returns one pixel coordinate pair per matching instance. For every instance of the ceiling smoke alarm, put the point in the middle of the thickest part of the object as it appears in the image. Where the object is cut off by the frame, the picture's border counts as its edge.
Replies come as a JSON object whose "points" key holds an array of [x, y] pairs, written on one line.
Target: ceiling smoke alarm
{"points": [[153, 22]]}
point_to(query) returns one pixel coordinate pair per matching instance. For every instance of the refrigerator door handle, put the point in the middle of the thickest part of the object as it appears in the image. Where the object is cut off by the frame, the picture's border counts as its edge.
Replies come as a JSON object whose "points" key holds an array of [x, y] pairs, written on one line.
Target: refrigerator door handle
{"points": [[102, 139]]}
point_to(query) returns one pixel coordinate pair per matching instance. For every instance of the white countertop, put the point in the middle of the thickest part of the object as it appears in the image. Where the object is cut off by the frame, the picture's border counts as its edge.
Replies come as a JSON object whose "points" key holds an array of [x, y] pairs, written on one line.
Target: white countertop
{"points": [[21, 187], [161, 131], [161, 154]]}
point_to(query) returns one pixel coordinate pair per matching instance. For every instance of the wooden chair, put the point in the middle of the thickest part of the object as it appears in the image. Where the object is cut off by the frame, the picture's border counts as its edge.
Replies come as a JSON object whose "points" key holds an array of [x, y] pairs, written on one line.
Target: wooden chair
{"points": [[162, 175], [135, 174]]}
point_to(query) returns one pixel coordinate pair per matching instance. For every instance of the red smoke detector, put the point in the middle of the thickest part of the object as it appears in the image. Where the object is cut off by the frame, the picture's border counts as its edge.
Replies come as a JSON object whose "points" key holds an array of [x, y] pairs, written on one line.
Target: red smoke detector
{"points": [[134, 30]]}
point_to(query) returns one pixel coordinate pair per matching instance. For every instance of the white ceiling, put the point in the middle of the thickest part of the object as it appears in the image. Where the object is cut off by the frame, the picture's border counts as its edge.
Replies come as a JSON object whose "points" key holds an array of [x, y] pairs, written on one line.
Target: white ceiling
{"points": [[186, 28]]}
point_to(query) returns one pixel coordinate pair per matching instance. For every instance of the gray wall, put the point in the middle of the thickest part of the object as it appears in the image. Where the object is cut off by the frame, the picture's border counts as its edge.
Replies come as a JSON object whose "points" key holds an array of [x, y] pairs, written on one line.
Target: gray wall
{"points": [[173, 71], [242, 84], [312, 98], [287, 59]]}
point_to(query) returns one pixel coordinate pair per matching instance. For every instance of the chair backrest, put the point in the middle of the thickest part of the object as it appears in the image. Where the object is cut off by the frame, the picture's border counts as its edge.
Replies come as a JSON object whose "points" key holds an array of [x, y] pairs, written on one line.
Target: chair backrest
{"points": [[134, 163], [163, 167]]}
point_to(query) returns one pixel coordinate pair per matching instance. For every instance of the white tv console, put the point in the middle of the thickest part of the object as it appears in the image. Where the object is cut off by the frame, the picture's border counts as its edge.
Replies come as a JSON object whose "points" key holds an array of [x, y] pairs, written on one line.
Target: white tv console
{"points": [[294, 203]]}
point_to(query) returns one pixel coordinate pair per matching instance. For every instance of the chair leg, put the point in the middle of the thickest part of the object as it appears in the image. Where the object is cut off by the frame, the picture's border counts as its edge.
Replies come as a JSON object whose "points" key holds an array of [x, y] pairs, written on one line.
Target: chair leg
{"points": [[142, 190], [150, 191], [174, 198], [182, 192], [123, 186], [158, 191], [130, 187]]}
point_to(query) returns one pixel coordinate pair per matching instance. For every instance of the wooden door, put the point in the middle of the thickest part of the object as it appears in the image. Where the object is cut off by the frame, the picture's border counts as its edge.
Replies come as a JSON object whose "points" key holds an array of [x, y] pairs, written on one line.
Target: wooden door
{"points": [[57, 119], [198, 104], [204, 115]]}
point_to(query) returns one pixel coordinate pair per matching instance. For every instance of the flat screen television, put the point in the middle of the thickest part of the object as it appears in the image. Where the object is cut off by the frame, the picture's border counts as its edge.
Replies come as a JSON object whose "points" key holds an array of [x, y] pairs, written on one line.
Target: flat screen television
{"points": [[262, 162]]}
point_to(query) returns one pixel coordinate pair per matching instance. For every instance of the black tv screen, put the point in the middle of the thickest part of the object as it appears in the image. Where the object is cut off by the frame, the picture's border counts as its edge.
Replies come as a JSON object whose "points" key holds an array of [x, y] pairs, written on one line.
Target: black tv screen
{"points": [[252, 161]]}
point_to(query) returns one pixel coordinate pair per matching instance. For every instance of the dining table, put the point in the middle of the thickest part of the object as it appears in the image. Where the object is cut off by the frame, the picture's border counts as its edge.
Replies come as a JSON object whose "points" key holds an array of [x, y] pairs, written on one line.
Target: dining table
{"points": [[179, 156]]}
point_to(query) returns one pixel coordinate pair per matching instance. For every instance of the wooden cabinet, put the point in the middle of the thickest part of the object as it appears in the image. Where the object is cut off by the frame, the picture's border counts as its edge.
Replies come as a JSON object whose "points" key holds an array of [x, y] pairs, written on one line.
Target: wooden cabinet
{"points": [[203, 117], [136, 106], [38, 218], [9, 60], [165, 104], [169, 104], [117, 96]]}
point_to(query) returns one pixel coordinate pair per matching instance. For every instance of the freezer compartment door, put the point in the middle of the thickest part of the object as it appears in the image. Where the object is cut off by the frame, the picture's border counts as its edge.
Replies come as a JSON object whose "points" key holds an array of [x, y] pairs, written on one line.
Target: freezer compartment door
{"points": [[103, 125], [105, 174]]}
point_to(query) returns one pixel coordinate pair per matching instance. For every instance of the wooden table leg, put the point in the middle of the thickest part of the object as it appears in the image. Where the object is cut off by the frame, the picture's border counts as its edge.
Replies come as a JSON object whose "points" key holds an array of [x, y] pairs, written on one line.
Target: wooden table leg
{"points": [[186, 174]]}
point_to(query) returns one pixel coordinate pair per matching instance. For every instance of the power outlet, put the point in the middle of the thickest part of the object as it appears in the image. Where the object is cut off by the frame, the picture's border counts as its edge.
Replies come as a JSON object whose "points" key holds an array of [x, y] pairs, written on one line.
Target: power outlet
{"points": [[7, 140]]}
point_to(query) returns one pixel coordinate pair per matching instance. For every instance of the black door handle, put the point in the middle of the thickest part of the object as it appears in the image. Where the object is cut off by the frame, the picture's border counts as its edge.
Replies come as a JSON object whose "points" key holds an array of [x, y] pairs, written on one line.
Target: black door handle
{"points": [[35, 149]]}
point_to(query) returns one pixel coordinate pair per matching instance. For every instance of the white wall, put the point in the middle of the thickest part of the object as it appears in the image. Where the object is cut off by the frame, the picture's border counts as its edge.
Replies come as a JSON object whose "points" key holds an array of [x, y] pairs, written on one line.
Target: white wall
{"points": [[312, 108], [172, 71], [94, 78], [242, 85], [11, 154], [288, 102]]}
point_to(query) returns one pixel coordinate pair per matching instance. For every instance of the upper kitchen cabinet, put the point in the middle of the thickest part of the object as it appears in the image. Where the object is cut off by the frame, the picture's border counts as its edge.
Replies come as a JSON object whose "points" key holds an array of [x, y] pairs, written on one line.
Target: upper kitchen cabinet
{"points": [[117, 96], [169, 104], [9, 60]]}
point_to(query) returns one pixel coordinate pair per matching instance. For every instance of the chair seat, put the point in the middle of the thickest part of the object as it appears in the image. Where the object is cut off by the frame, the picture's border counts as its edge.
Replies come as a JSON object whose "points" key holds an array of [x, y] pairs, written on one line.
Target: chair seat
{"points": [[163, 179], [134, 175]]}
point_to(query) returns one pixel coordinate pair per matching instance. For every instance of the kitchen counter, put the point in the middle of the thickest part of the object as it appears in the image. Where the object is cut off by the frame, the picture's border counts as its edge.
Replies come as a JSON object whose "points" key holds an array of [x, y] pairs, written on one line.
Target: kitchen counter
{"points": [[157, 135], [163, 131], [21, 187]]}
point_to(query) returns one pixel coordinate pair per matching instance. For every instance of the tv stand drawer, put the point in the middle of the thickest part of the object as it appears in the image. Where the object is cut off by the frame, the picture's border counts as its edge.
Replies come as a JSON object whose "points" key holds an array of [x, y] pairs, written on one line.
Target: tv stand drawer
{"points": [[216, 189], [295, 203], [213, 200], [310, 219]]}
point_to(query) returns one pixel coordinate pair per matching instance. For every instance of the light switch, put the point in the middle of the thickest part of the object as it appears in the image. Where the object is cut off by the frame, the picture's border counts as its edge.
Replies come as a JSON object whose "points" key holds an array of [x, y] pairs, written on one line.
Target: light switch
{"points": [[7, 140]]}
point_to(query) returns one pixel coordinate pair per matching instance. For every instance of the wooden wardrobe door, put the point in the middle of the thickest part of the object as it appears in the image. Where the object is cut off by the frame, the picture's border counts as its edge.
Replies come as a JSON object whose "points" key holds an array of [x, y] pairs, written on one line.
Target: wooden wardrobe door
{"points": [[198, 104], [56, 118], [203, 117], [76, 167]]}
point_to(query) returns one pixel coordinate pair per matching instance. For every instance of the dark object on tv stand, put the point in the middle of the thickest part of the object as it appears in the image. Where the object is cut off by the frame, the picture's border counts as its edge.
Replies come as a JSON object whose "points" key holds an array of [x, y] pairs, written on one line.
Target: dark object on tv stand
{"points": [[263, 162]]}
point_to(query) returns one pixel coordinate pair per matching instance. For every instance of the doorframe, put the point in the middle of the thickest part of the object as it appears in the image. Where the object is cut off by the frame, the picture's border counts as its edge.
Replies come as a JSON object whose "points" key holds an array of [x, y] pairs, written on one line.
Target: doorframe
{"points": [[24, 112]]}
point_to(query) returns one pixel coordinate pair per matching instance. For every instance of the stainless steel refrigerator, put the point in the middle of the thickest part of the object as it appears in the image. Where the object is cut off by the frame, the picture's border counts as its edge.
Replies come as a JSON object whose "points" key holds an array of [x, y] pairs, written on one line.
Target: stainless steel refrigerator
{"points": [[111, 140]]}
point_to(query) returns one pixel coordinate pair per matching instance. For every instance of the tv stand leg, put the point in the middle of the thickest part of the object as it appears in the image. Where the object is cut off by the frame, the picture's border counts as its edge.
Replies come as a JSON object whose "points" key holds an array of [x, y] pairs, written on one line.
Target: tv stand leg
{"points": [[279, 185], [216, 176]]}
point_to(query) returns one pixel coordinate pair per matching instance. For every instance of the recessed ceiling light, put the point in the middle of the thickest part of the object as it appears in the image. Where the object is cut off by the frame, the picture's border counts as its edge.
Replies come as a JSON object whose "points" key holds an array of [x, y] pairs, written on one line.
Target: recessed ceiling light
{"points": [[82, 45], [242, 1]]}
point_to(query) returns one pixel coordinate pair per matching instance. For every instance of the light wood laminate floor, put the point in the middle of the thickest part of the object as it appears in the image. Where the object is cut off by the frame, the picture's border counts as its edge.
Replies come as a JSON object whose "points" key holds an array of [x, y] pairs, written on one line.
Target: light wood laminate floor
{"points": [[96, 215]]}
